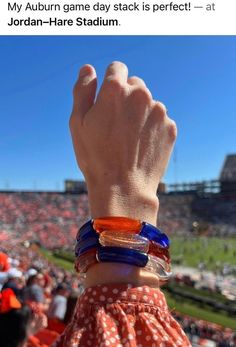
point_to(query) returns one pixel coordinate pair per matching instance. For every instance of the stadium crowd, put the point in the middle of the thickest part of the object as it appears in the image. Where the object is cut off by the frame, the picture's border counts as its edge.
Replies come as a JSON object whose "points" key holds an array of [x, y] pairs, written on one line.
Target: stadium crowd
{"points": [[52, 219], [200, 332], [31, 215]]}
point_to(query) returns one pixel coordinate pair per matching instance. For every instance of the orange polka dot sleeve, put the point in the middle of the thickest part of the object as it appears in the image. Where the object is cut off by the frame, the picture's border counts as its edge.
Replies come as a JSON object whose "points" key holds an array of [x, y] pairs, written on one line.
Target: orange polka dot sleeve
{"points": [[122, 316]]}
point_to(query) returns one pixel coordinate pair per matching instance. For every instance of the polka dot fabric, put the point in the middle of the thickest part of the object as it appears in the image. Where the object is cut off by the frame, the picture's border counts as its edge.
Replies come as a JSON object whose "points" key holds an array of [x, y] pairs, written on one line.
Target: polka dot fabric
{"points": [[122, 316]]}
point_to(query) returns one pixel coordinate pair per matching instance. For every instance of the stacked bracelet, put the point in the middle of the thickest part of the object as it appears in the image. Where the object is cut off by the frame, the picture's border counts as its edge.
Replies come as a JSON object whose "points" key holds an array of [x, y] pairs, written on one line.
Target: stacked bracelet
{"points": [[123, 239], [136, 243]]}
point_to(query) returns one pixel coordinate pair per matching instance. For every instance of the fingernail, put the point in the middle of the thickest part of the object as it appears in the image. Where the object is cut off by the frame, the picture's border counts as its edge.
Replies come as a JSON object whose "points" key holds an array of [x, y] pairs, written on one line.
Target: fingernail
{"points": [[84, 71]]}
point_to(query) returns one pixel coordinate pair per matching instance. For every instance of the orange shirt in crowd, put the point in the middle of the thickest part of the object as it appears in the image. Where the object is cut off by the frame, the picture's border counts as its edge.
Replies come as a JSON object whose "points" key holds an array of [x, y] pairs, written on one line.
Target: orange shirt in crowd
{"points": [[4, 262]]}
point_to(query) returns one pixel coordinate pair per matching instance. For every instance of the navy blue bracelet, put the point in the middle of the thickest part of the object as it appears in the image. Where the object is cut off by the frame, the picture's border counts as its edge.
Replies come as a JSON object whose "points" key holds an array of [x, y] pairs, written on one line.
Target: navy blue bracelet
{"points": [[154, 234], [121, 255]]}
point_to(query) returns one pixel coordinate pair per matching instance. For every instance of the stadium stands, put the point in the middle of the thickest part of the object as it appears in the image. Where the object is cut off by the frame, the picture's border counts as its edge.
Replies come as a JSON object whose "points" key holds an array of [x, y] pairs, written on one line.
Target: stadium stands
{"points": [[52, 219], [202, 333]]}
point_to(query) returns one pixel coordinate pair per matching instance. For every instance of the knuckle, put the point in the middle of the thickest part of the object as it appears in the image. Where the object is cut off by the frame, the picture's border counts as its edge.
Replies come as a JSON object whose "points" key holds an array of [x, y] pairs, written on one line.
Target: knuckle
{"points": [[160, 111], [161, 107], [133, 78], [113, 86], [142, 95], [172, 130], [136, 80]]}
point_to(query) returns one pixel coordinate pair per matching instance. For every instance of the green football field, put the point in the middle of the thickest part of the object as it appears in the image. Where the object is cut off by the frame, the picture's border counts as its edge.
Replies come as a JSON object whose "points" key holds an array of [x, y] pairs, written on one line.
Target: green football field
{"points": [[215, 252]]}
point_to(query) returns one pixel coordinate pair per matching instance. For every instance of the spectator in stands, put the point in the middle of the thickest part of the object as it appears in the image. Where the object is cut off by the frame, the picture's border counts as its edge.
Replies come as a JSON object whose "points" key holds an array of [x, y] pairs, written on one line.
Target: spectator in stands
{"points": [[57, 308], [14, 320], [14, 282], [4, 262], [3, 279], [71, 302], [55, 324], [33, 291]]}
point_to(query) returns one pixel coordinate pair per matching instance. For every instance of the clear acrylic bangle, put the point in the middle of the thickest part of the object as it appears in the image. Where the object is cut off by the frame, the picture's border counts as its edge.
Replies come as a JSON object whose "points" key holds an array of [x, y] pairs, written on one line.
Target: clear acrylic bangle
{"points": [[158, 267], [125, 240], [158, 251]]}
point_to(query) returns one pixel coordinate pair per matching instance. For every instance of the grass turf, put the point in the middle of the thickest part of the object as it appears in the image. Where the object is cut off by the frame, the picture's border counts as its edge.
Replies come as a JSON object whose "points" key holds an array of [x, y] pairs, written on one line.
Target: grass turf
{"points": [[60, 262], [213, 251]]}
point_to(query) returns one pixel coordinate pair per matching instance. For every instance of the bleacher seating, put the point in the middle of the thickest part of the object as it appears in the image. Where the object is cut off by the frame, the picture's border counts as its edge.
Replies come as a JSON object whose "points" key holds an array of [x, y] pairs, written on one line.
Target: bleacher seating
{"points": [[52, 219]]}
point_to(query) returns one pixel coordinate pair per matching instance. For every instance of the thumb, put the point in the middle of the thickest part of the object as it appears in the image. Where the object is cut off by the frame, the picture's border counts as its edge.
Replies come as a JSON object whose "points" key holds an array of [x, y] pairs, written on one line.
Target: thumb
{"points": [[85, 90]]}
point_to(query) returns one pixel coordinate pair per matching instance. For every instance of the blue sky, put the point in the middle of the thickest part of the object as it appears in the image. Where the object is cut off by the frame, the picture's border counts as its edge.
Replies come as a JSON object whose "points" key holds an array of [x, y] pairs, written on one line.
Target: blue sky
{"points": [[194, 76]]}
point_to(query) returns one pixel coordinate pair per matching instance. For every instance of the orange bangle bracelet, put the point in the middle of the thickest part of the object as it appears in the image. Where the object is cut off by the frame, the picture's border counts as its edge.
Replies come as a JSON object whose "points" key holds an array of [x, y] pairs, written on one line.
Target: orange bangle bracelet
{"points": [[117, 223]]}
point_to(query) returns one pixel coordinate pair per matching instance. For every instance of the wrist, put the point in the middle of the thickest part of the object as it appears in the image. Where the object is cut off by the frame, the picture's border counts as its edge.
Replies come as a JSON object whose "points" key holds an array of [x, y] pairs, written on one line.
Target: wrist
{"points": [[125, 202]]}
